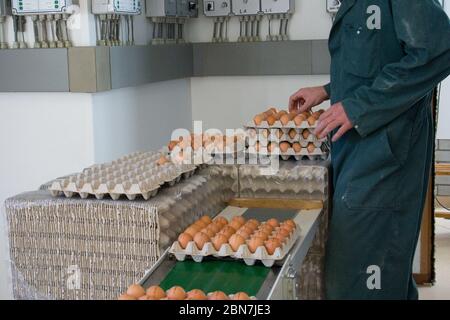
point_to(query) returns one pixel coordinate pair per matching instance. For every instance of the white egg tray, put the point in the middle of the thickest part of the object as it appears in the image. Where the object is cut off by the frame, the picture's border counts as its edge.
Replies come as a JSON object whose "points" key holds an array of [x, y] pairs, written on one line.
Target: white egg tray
{"points": [[278, 125], [134, 175], [257, 135], [319, 153], [243, 253]]}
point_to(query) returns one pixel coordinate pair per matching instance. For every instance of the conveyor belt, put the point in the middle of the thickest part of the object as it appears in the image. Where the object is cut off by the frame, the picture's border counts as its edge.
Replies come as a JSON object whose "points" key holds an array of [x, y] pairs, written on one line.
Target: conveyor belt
{"points": [[209, 276]]}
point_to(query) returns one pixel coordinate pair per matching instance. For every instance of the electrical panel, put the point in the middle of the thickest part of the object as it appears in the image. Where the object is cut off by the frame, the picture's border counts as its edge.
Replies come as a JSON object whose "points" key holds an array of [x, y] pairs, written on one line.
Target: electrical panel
{"points": [[217, 8], [187, 8], [27, 7], [277, 6], [5, 8], [246, 7], [333, 6], [161, 8], [127, 7]]}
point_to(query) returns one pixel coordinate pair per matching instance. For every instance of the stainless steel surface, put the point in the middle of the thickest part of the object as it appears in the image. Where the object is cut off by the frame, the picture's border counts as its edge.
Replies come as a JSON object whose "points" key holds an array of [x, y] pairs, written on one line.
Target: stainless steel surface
{"points": [[281, 280]]}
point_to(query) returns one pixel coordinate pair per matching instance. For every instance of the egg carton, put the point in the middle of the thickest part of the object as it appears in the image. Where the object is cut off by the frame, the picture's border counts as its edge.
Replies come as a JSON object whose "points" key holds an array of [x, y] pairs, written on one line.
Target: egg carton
{"points": [[134, 175], [258, 134], [243, 252]]}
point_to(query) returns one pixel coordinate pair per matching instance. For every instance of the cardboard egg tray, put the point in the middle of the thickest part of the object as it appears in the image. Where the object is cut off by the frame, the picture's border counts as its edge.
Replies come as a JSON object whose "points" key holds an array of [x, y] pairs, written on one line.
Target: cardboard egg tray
{"points": [[320, 153], [257, 135], [134, 175], [243, 253], [278, 125]]}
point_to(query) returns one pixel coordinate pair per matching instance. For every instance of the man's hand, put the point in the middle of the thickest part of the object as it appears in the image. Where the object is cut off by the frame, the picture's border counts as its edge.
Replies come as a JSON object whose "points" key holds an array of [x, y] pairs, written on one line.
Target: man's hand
{"points": [[333, 118], [307, 98]]}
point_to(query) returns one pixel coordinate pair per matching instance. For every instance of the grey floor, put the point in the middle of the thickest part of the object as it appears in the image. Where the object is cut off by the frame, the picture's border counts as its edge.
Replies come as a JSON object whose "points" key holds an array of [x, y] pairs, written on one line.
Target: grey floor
{"points": [[441, 290]]}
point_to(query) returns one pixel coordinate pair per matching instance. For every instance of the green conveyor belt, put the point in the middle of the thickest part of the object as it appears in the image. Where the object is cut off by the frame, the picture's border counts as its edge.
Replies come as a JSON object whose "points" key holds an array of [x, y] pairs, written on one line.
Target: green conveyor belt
{"points": [[209, 276]]}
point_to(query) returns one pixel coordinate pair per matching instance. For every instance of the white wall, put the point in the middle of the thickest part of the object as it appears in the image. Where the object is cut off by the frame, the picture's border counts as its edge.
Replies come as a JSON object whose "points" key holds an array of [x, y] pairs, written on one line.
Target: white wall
{"points": [[140, 118], [42, 136], [229, 102]]}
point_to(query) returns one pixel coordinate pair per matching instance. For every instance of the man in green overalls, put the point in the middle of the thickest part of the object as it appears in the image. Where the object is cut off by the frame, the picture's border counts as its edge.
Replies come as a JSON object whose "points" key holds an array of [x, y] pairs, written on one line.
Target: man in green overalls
{"points": [[387, 57]]}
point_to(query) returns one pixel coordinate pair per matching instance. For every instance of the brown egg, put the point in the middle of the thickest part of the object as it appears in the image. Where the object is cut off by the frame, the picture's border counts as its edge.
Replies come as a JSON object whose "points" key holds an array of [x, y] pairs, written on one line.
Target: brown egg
{"points": [[297, 147], [247, 229], [200, 224], [273, 110], [206, 219], [271, 120], [279, 237], [317, 114], [240, 219], [255, 222], [146, 298], [176, 293], [299, 119], [201, 239], [306, 133], [162, 161], [311, 120], [221, 220], [255, 243], [284, 119], [214, 227], [218, 241], [241, 296], [156, 292], [258, 119], [261, 234], [291, 223], [266, 228], [136, 291], [244, 234], [218, 295], [284, 146], [235, 225], [192, 230], [272, 245], [311, 147], [292, 133], [273, 222], [184, 239], [293, 113], [257, 146], [265, 133], [196, 294], [236, 241], [283, 232], [172, 145], [228, 231], [210, 233]]}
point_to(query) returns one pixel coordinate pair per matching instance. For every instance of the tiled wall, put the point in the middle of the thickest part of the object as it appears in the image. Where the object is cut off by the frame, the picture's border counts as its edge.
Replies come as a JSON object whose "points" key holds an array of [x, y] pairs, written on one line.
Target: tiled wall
{"points": [[443, 155]]}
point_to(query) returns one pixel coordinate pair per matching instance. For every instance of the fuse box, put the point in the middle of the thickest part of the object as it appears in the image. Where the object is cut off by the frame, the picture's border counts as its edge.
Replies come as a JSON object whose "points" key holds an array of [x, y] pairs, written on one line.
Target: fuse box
{"points": [[217, 8], [161, 8], [30, 7], [187, 8], [333, 6], [127, 7], [246, 7], [277, 6]]}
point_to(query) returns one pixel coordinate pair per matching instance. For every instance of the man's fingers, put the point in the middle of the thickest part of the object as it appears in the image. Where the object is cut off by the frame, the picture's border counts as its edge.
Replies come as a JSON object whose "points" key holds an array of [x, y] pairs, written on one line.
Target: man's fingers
{"points": [[329, 128], [322, 125], [342, 130], [294, 100]]}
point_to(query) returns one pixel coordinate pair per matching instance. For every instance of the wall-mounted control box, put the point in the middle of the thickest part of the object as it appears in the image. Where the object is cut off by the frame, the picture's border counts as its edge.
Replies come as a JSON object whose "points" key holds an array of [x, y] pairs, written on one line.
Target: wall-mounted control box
{"points": [[277, 6], [128, 7], [187, 8], [246, 7], [333, 6], [217, 8], [161, 8], [31, 7]]}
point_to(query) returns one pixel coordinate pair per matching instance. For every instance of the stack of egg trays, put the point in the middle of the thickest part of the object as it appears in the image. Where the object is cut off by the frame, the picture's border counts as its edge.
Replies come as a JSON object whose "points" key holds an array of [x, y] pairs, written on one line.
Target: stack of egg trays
{"points": [[243, 252], [133, 175], [255, 134]]}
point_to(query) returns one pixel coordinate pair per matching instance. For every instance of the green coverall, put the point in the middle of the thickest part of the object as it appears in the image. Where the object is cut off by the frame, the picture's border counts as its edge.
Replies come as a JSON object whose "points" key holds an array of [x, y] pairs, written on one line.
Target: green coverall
{"points": [[387, 57]]}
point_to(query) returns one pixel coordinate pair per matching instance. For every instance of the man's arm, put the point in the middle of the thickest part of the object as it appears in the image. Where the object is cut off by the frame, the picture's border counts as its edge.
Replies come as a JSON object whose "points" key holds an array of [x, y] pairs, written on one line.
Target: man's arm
{"points": [[424, 29]]}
